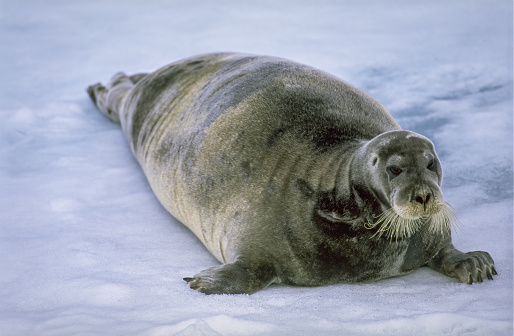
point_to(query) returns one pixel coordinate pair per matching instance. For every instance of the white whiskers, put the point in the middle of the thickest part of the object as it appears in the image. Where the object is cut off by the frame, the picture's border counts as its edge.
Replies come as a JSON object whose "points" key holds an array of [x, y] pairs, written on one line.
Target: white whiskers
{"points": [[392, 225], [444, 220]]}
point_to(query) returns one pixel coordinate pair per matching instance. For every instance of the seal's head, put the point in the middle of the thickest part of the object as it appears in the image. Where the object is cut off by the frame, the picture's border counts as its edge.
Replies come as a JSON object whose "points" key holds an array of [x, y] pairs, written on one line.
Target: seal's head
{"points": [[403, 172]]}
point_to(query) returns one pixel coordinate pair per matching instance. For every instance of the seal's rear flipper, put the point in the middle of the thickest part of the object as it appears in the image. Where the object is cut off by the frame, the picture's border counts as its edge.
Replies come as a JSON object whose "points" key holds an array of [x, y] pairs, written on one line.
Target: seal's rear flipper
{"points": [[235, 278], [108, 98], [137, 77]]}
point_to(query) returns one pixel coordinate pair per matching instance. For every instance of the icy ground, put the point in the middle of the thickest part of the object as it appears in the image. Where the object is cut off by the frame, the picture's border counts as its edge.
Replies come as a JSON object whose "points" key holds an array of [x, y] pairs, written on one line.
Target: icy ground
{"points": [[86, 249]]}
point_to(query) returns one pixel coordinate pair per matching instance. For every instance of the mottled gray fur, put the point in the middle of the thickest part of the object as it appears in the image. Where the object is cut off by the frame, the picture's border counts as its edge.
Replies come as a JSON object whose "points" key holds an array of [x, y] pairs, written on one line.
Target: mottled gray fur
{"points": [[278, 168]]}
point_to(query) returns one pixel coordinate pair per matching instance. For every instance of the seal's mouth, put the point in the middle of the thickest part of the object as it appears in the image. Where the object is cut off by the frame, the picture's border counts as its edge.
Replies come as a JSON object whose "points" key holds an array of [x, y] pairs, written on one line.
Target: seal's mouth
{"points": [[391, 225]]}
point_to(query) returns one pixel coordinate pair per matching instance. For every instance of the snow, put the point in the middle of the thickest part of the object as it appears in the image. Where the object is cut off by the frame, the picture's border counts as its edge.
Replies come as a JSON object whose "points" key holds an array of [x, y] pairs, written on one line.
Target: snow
{"points": [[85, 247]]}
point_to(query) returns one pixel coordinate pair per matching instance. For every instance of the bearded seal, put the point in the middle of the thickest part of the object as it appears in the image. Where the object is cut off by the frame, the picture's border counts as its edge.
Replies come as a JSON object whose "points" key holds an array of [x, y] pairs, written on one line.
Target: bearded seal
{"points": [[286, 174]]}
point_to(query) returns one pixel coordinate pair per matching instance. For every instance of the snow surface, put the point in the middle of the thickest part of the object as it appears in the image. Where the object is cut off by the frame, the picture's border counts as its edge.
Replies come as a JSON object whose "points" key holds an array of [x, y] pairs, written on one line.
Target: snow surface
{"points": [[85, 247]]}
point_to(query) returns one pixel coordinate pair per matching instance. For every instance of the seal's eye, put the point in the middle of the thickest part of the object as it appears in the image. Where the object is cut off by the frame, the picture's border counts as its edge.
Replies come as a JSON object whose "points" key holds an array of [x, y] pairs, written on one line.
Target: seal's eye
{"points": [[395, 170]]}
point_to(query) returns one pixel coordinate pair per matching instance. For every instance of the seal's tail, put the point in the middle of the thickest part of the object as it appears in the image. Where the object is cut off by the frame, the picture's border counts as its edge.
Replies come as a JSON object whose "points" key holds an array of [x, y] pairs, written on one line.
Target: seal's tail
{"points": [[108, 98]]}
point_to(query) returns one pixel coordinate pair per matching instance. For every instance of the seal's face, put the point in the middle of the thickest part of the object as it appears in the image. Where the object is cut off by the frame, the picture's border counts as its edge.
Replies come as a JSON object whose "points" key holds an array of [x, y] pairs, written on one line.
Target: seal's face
{"points": [[410, 175], [405, 174]]}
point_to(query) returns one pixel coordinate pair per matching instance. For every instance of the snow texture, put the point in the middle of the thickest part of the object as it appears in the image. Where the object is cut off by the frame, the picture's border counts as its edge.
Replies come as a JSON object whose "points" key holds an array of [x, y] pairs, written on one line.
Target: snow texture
{"points": [[85, 247]]}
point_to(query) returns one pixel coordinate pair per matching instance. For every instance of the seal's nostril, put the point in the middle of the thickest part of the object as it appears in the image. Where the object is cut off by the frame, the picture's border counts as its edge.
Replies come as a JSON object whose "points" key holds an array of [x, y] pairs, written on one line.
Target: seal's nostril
{"points": [[419, 199]]}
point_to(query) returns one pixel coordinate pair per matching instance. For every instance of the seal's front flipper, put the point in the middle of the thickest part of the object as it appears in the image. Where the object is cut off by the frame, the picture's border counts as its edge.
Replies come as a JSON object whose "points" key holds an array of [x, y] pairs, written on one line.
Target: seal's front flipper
{"points": [[235, 278], [467, 267]]}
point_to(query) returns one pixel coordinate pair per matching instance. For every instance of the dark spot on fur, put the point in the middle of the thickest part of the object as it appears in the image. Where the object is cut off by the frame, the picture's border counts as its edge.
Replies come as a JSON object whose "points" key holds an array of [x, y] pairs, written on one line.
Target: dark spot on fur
{"points": [[331, 137], [275, 137], [305, 188], [336, 259], [246, 168], [332, 258]]}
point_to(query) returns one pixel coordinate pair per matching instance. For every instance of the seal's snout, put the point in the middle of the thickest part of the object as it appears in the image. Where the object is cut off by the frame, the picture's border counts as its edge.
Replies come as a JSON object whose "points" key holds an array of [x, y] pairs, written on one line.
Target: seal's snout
{"points": [[424, 199], [416, 202]]}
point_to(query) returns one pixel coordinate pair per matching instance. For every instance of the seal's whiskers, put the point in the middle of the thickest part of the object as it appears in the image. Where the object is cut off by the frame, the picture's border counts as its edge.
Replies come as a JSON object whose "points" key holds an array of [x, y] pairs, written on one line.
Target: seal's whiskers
{"points": [[444, 220], [392, 225]]}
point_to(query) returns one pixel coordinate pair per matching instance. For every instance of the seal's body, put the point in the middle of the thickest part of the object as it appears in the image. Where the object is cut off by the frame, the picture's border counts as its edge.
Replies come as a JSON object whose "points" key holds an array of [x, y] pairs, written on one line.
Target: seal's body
{"points": [[286, 174]]}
